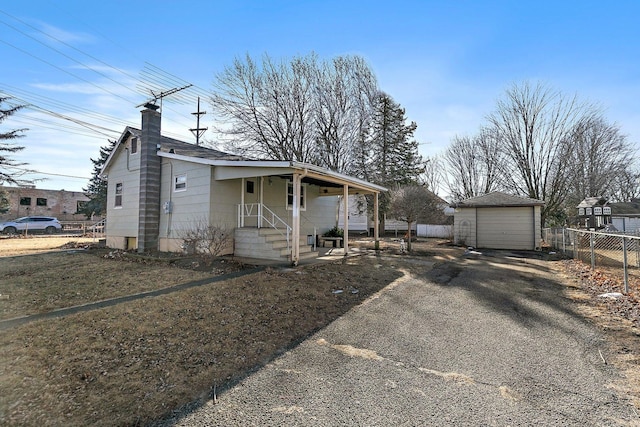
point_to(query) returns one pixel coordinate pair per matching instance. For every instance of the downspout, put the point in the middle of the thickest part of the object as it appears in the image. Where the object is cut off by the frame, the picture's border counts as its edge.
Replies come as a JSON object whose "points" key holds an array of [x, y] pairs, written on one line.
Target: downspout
{"points": [[170, 207], [535, 247], [297, 188], [242, 184], [376, 230], [345, 234], [261, 202], [475, 239]]}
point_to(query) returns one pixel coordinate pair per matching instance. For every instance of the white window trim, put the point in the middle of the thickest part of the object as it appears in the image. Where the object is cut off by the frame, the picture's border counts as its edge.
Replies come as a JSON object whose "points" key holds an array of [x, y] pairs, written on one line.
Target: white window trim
{"points": [[115, 205], [137, 145], [303, 191], [175, 182]]}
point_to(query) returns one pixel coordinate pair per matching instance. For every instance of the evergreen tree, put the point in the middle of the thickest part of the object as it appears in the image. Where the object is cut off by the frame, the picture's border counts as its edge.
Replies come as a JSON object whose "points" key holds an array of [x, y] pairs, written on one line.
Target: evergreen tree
{"points": [[96, 190], [7, 147], [392, 153]]}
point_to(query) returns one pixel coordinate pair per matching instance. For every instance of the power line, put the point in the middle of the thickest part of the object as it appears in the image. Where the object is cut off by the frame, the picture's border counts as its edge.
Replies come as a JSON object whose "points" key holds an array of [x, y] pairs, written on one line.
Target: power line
{"points": [[69, 46], [63, 70], [66, 56], [81, 123], [152, 79], [31, 172]]}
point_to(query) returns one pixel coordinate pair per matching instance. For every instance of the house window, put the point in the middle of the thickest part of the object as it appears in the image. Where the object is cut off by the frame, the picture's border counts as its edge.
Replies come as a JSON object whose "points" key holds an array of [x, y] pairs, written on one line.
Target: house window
{"points": [[25, 201], [303, 196], [180, 182], [134, 145], [80, 205], [118, 203], [40, 201], [250, 187]]}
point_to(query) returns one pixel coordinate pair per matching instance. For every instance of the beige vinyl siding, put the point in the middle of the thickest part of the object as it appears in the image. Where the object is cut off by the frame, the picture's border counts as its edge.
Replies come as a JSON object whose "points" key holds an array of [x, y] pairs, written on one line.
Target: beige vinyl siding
{"points": [[464, 227], [122, 222], [357, 220], [187, 206], [505, 228], [320, 213]]}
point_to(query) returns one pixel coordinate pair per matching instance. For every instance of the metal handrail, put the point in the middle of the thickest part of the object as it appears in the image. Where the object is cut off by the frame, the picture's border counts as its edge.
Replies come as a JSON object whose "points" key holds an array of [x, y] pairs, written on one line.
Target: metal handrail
{"points": [[273, 220]]}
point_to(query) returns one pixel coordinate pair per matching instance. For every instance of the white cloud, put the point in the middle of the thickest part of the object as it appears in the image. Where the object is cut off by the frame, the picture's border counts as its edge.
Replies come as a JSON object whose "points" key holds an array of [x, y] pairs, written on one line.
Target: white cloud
{"points": [[64, 35]]}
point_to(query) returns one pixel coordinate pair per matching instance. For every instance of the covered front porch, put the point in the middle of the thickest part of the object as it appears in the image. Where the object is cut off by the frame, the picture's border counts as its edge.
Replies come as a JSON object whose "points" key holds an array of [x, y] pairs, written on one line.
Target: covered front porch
{"points": [[285, 206]]}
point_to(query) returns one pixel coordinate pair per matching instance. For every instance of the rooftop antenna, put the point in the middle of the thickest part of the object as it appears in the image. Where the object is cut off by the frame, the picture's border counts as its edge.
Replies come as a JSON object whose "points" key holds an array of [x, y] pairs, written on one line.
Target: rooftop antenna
{"points": [[198, 131], [161, 95]]}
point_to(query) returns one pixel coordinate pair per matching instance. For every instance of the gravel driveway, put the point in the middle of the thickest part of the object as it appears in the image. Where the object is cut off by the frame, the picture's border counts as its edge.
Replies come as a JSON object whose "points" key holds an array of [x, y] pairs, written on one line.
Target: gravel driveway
{"points": [[485, 340]]}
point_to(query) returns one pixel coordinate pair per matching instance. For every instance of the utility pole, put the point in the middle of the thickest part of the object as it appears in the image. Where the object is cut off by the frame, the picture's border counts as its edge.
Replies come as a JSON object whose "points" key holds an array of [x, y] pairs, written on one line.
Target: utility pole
{"points": [[198, 131]]}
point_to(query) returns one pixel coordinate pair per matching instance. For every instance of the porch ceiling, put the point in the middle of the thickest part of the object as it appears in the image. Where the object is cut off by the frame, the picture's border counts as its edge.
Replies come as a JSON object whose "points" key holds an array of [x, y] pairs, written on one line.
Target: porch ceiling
{"points": [[330, 183]]}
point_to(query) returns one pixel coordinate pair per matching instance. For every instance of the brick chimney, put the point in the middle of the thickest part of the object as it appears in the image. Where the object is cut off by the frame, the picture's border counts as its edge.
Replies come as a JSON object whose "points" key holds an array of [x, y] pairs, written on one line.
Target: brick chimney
{"points": [[149, 210]]}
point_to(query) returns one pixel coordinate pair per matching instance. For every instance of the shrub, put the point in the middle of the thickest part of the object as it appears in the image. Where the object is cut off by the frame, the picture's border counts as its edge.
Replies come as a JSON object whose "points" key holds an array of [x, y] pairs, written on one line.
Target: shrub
{"points": [[334, 232]]}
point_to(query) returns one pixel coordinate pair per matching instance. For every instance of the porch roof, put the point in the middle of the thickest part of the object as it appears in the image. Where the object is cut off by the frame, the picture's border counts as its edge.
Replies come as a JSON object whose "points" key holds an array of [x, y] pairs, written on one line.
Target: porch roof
{"points": [[330, 182]]}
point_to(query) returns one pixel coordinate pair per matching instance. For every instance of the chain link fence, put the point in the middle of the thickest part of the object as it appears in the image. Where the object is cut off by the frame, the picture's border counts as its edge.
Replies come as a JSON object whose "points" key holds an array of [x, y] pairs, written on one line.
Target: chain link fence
{"points": [[616, 253]]}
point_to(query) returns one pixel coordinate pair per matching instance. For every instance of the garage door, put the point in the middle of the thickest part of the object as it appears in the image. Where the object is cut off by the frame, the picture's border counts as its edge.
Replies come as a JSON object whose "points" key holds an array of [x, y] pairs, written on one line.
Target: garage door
{"points": [[505, 228]]}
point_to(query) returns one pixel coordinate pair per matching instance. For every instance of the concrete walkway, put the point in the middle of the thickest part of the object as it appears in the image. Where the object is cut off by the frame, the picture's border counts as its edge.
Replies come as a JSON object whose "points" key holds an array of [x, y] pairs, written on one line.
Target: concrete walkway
{"points": [[488, 341]]}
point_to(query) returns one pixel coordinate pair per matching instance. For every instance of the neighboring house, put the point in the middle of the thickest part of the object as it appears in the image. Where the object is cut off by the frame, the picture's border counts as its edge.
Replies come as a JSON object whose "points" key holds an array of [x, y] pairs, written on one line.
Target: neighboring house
{"points": [[159, 187], [28, 200], [625, 216], [498, 221], [358, 218], [594, 212], [597, 212], [433, 225]]}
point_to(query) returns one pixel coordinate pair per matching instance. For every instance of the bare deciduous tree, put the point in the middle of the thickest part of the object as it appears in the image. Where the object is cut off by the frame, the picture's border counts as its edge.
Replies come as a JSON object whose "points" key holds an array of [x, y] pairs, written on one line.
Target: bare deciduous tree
{"points": [[268, 109], [305, 110], [626, 186], [345, 93], [412, 202], [600, 156], [474, 165], [434, 174], [535, 125]]}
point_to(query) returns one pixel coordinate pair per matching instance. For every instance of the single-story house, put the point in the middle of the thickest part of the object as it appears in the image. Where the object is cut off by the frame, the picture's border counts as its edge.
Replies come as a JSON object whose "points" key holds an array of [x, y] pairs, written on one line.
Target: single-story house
{"points": [[498, 220], [625, 216], [159, 187]]}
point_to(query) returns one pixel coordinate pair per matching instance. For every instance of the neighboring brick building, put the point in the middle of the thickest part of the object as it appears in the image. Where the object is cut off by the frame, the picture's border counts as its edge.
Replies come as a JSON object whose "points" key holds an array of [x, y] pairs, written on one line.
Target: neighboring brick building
{"points": [[26, 201]]}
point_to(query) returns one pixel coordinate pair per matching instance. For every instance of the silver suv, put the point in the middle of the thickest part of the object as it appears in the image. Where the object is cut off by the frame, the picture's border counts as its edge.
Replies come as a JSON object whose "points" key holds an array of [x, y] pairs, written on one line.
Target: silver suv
{"points": [[48, 224]]}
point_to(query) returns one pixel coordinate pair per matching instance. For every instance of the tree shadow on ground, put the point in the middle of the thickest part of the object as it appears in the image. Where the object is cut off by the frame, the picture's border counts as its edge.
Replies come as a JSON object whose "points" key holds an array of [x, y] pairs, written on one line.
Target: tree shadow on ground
{"points": [[523, 286]]}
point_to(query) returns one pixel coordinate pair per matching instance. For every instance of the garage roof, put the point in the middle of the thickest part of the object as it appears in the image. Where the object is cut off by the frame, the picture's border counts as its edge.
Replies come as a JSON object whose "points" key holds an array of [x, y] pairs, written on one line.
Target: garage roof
{"points": [[497, 199]]}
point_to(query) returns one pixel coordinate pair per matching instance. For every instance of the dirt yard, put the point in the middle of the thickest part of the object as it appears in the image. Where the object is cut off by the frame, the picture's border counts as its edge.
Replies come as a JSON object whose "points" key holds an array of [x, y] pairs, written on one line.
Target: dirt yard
{"points": [[138, 361]]}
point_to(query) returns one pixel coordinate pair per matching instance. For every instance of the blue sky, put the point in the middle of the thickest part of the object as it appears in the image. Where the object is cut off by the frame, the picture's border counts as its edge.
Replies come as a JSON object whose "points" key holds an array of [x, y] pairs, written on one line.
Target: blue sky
{"points": [[445, 62]]}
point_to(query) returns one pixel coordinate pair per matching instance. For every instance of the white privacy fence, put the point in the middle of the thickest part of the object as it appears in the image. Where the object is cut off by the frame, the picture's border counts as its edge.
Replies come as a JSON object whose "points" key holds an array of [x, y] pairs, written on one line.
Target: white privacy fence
{"points": [[438, 231], [616, 253]]}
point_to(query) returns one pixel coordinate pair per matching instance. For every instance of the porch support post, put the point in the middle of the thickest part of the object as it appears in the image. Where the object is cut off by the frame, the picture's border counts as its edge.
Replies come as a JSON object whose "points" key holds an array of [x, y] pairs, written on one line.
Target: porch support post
{"points": [[261, 202], [376, 232], [242, 184], [345, 201], [295, 245]]}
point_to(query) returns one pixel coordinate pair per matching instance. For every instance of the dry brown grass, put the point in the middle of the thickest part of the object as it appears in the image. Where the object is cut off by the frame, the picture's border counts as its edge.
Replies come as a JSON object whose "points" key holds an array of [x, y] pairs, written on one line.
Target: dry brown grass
{"points": [[137, 361], [47, 281]]}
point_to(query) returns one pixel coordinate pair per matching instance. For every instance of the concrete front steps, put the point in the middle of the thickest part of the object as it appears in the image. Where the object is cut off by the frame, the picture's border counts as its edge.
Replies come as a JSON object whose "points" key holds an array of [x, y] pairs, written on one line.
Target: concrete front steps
{"points": [[267, 243]]}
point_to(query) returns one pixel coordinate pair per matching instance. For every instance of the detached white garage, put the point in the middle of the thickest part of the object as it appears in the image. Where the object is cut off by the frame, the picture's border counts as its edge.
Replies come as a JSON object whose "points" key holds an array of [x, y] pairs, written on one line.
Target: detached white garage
{"points": [[498, 221]]}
